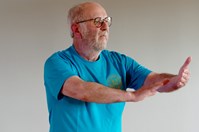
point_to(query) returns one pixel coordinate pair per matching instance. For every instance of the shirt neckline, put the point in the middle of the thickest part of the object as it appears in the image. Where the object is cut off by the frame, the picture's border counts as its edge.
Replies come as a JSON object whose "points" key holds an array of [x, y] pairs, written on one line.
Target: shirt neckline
{"points": [[84, 60]]}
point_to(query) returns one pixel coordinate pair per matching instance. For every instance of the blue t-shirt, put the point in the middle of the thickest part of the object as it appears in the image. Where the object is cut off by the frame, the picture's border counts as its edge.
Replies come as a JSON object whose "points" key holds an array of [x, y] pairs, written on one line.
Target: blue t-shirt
{"points": [[112, 69]]}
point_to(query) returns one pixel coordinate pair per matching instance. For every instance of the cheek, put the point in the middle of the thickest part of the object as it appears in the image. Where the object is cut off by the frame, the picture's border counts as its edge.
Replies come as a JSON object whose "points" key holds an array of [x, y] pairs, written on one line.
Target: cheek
{"points": [[91, 33], [97, 34], [94, 34]]}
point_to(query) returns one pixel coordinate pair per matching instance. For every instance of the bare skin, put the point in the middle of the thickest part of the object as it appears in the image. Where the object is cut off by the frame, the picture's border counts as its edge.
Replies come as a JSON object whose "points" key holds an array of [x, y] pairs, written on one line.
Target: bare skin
{"points": [[89, 45], [89, 41], [94, 92]]}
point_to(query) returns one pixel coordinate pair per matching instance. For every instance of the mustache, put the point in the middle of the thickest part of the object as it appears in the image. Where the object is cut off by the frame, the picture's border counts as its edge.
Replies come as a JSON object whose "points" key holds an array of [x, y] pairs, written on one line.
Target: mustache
{"points": [[104, 33]]}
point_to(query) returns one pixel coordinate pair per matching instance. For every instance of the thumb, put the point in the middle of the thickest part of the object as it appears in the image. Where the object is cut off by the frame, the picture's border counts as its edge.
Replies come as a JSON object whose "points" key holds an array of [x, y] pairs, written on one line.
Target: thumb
{"points": [[186, 63], [157, 85]]}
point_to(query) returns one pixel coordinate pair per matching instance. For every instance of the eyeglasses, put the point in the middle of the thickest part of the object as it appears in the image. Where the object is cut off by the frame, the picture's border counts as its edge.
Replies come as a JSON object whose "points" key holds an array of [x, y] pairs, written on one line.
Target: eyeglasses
{"points": [[98, 21]]}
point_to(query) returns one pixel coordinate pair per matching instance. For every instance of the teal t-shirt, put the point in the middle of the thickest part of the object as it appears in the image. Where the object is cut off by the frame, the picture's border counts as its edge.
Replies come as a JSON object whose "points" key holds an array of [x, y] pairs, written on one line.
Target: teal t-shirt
{"points": [[112, 69]]}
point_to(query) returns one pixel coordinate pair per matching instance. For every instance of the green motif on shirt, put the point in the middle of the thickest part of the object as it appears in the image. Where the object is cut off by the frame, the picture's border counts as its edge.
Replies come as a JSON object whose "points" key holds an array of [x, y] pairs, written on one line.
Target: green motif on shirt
{"points": [[114, 81]]}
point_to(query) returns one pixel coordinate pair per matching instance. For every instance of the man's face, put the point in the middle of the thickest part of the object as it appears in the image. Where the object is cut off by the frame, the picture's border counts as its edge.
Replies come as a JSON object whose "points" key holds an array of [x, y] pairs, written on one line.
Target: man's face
{"points": [[95, 37]]}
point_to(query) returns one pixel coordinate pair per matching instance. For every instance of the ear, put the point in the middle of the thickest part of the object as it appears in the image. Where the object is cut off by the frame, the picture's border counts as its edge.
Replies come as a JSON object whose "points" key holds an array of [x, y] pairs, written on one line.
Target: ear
{"points": [[75, 30]]}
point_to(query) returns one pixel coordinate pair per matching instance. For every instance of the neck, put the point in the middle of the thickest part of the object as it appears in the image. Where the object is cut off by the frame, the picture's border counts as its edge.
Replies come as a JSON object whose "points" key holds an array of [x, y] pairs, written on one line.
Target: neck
{"points": [[86, 52]]}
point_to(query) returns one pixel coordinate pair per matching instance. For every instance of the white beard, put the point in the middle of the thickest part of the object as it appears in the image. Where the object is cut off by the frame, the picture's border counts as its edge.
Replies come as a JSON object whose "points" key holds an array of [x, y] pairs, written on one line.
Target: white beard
{"points": [[97, 43]]}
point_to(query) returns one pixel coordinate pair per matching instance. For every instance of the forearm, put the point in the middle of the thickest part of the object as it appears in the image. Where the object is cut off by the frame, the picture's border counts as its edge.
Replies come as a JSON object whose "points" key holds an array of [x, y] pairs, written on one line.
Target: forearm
{"points": [[75, 87], [93, 92], [157, 77], [98, 93], [166, 78]]}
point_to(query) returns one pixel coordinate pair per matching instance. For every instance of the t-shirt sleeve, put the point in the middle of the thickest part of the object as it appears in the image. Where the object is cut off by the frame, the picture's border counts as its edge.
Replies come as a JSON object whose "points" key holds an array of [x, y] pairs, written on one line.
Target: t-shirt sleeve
{"points": [[136, 74], [56, 71]]}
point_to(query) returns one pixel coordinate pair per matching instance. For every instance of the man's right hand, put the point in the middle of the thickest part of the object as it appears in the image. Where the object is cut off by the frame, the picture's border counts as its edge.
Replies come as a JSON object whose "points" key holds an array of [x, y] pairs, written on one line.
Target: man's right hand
{"points": [[145, 91]]}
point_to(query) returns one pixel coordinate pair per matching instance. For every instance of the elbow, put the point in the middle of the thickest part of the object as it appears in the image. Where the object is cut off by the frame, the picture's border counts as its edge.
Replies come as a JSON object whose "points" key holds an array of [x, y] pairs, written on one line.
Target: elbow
{"points": [[76, 93]]}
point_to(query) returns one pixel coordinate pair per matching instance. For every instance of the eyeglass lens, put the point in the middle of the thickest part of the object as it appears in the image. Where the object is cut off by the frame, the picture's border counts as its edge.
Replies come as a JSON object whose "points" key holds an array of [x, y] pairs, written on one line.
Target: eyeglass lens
{"points": [[99, 21]]}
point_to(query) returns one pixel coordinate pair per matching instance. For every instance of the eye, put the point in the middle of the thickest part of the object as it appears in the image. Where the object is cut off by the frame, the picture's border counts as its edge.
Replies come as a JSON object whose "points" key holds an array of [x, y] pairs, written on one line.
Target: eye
{"points": [[98, 21], [109, 21]]}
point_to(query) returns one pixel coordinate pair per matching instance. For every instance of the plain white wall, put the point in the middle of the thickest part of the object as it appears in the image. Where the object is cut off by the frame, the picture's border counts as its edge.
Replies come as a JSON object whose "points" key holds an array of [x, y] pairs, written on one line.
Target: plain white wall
{"points": [[159, 34]]}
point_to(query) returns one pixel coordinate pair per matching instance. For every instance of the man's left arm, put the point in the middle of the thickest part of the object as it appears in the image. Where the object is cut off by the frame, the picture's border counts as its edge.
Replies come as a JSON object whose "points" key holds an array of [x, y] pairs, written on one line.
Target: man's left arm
{"points": [[171, 82]]}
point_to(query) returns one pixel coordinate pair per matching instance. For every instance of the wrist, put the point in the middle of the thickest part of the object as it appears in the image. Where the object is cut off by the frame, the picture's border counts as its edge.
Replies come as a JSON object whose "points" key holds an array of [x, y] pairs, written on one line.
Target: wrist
{"points": [[130, 97]]}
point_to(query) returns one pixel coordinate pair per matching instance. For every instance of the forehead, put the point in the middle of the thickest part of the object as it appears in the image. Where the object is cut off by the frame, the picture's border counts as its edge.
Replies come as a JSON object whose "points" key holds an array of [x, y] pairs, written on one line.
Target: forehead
{"points": [[94, 10]]}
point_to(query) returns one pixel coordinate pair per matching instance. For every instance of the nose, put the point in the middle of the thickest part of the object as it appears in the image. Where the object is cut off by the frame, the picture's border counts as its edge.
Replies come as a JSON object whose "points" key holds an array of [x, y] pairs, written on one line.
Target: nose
{"points": [[105, 26]]}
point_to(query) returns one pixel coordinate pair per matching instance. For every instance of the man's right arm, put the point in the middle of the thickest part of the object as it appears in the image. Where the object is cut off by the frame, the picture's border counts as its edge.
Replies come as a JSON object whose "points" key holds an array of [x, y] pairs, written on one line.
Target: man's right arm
{"points": [[75, 87]]}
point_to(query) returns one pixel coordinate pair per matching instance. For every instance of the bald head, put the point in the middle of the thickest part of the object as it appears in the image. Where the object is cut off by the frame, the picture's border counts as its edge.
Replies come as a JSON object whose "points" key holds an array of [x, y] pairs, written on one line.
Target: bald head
{"points": [[84, 11]]}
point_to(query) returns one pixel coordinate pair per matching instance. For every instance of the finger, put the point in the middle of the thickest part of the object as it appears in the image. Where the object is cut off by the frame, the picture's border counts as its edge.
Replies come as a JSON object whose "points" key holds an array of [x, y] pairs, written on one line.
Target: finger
{"points": [[184, 74], [158, 85], [183, 81], [152, 93], [180, 84], [186, 63], [185, 78]]}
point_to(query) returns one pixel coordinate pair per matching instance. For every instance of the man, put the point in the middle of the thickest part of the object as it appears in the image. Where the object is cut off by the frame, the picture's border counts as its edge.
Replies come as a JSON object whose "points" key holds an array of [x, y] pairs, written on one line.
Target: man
{"points": [[86, 84]]}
